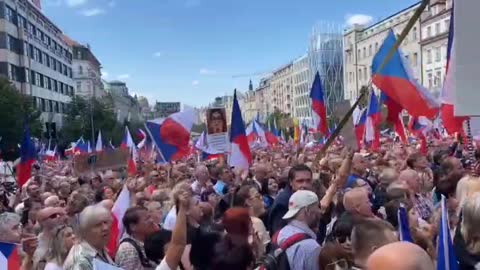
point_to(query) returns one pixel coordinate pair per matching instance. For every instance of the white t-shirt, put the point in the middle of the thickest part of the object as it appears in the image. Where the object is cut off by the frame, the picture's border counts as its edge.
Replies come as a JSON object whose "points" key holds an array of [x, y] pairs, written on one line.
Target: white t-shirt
{"points": [[170, 219], [164, 266], [52, 266]]}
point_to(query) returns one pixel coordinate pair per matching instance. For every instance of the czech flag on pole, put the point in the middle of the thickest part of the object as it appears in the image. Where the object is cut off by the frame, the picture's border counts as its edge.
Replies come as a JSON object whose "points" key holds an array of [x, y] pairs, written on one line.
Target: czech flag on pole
{"points": [[99, 145], [240, 156], [374, 118], [118, 211], [319, 112], [419, 127], [9, 258], [27, 158], [394, 116], [127, 143], [451, 122], [396, 81], [171, 135], [359, 124]]}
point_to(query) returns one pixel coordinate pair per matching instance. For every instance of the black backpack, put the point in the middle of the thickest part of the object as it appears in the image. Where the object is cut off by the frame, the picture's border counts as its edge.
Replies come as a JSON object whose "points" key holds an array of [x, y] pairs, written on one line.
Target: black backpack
{"points": [[144, 260], [277, 258]]}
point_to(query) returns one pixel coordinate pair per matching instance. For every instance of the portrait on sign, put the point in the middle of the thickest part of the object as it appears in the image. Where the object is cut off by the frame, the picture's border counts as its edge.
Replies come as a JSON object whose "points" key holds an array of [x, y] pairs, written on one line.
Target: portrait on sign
{"points": [[216, 121]]}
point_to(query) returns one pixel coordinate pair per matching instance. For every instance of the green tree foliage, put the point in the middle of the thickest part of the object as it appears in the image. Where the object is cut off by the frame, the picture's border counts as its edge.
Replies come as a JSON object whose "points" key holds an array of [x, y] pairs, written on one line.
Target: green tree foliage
{"points": [[16, 110], [78, 121]]}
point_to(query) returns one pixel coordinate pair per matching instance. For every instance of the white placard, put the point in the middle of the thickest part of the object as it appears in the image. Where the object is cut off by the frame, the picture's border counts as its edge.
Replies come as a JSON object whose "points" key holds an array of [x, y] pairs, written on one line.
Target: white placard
{"points": [[217, 132], [466, 76]]}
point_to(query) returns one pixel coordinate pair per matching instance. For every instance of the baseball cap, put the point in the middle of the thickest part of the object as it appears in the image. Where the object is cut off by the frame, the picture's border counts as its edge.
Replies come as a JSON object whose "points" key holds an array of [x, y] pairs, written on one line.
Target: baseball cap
{"points": [[299, 200]]}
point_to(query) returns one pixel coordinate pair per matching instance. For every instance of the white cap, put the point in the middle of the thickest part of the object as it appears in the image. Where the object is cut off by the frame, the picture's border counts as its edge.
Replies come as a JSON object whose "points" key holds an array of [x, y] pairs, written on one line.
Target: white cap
{"points": [[299, 200]]}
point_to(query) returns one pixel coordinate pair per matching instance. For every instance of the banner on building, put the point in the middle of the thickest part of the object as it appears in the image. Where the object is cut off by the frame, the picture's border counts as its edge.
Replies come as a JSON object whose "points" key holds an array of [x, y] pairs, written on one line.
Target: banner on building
{"points": [[101, 161], [348, 131], [217, 132]]}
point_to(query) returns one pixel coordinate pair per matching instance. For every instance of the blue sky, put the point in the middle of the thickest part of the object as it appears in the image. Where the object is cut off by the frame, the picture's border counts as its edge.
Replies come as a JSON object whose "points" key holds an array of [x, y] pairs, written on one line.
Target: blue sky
{"points": [[188, 50]]}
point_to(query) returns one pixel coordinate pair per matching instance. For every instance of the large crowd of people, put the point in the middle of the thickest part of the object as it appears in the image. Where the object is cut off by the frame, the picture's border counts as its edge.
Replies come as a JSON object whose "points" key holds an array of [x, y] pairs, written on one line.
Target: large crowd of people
{"points": [[284, 212]]}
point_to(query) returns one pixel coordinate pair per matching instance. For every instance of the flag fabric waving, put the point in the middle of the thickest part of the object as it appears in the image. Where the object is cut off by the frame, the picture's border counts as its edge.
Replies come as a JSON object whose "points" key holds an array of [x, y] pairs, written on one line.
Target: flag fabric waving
{"points": [[118, 211], [403, 228], [394, 116], [99, 145], [9, 257], [171, 135], [256, 135], [419, 127], [240, 155], [27, 158], [319, 111], [359, 125], [451, 122], [396, 81], [446, 259], [372, 133]]}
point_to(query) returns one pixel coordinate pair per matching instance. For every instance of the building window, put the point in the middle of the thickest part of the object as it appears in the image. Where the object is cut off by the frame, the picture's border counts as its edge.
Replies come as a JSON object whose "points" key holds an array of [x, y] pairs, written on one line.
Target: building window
{"points": [[37, 56], [33, 77], [54, 85], [429, 76], [415, 59], [438, 78], [44, 59], [80, 70], [429, 31], [360, 74], [438, 54], [10, 14], [50, 106], [32, 51], [364, 52], [365, 73], [27, 75], [57, 110], [437, 28], [447, 25], [79, 87], [370, 50], [60, 68], [414, 34], [65, 71], [12, 75], [429, 56], [30, 28], [376, 47], [358, 54], [44, 107], [38, 79]]}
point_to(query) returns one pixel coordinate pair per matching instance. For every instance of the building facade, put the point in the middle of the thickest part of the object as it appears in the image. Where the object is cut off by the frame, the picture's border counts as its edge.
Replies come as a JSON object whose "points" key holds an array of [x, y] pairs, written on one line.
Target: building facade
{"points": [[164, 109], [301, 88], [361, 43], [261, 96], [34, 56], [281, 89], [145, 109], [249, 105], [87, 76], [435, 25], [126, 107]]}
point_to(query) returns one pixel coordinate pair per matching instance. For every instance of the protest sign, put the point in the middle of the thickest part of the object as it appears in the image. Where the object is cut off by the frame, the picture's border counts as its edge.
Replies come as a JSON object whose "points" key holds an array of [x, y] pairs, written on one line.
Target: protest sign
{"points": [[100, 161], [217, 133]]}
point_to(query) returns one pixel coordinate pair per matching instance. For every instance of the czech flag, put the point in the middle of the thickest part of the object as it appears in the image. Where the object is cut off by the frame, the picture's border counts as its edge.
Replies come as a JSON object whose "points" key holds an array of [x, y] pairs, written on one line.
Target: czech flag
{"points": [[319, 112], [9, 258], [99, 145], [256, 134], [171, 135], [359, 124], [27, 158], [50, 155], [396, 81], [446, 258], [419, 127], [207, 152], [81, 147], [118, 211], [374, 118], [240, 156], [127, 143], [394, 116], [274, 128], [451, 122]]}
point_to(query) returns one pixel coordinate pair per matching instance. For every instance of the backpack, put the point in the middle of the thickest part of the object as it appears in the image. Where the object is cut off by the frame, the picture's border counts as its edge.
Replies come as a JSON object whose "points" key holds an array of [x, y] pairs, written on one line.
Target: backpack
{"points": [[144, 260], [277, 258]]}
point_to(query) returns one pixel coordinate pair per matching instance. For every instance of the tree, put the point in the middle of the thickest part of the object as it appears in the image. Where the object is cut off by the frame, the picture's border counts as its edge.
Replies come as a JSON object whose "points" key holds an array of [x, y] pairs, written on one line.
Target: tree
{"points": [[78, 121], [16, 111]]}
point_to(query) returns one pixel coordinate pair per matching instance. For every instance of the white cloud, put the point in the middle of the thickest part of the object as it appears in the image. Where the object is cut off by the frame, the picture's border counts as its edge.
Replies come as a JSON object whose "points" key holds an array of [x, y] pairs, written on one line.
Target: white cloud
{"points": [[104, 74], [93, 12], [157, 54], [75, 3], [361, 19], [195, 83], [112, 4], [123, 76], [206, 71]]}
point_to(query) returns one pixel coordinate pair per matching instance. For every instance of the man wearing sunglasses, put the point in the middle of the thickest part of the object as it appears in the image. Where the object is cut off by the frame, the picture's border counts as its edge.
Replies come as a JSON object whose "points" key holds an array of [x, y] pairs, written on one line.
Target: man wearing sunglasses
{"points": [[48, 218]]}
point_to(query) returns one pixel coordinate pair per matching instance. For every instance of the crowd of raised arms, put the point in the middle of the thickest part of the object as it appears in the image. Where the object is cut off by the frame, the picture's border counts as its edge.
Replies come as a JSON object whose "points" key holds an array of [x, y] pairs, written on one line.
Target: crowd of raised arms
{"points": [[351, 210]]}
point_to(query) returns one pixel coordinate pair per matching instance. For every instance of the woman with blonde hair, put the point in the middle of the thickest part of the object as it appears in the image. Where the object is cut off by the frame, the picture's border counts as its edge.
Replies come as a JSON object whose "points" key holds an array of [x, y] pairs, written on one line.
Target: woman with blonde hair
{"points": [[466, 187], [467, 237], [62, 241]]}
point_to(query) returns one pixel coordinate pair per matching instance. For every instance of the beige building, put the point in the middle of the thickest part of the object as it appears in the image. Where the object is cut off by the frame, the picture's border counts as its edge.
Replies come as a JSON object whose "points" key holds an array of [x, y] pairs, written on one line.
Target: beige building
{"points": [[263, 90], [434, 41], [361, 43], [281, 90], [301, 90]]}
